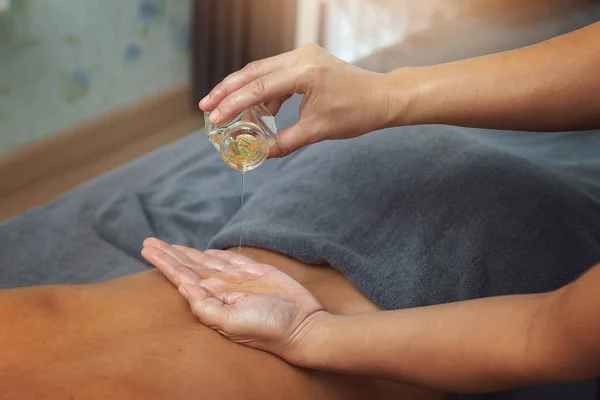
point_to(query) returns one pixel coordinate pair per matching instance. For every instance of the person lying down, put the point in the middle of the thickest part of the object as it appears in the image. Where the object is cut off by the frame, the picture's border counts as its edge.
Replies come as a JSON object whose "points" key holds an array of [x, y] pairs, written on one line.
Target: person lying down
{"points": [[478, 244], [476, 223]]}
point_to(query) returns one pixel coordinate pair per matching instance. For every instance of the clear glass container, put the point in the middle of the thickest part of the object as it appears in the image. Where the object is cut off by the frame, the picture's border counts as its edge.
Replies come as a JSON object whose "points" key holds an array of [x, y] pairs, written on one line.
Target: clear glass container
{"points": [[245, 140]]}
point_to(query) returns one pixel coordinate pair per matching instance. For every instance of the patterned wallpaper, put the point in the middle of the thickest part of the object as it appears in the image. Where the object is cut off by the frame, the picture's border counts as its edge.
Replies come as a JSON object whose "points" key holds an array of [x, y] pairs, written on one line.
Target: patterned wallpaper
{"points": [[65, 61]]}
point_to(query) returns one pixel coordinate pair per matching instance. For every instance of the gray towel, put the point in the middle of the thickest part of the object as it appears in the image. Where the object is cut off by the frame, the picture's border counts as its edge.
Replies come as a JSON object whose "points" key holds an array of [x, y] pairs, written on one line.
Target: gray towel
{"points": [[432, 214]]}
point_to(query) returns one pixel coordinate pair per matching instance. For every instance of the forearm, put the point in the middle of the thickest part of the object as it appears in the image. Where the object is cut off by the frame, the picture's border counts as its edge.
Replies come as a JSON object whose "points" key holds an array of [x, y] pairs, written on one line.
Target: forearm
{"points": [[551, 86], [476, 346]]}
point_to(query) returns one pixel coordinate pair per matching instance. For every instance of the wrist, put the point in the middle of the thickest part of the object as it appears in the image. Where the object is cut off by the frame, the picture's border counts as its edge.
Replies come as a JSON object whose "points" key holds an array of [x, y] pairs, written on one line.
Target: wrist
{"points": [[311, 340], [405, 90]]}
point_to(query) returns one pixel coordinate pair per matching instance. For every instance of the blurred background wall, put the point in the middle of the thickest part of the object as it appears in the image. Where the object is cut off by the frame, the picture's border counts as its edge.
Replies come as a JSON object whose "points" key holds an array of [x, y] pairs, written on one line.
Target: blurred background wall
{"points": [[65, 61]]}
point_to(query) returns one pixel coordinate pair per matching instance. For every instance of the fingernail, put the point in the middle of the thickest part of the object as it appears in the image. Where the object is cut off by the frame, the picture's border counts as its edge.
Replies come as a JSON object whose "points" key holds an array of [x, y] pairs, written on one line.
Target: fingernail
{"points": [[205, 99], [214, 116], [183, 292]]}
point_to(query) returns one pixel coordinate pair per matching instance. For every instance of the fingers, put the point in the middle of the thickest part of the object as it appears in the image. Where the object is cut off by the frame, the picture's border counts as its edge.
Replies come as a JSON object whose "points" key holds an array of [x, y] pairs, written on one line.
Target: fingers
{"points": [[280, 83], [153, 242], [182, 265], [175, 264], [245, 264], [290, 140], [201, 258], [189, 257], [230, 257], [209, 310], [175, 272], [223, 261], [274, 105], [178, 255], [241, 78]]}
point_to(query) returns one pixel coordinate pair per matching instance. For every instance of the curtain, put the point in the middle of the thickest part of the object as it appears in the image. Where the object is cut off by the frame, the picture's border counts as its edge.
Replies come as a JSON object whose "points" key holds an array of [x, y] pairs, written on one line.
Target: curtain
{"points": [[228, 34]]}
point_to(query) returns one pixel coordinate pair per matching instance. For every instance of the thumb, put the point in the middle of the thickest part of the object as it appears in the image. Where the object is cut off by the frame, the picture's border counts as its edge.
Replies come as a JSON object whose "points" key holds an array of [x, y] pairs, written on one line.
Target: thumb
{"points": [[274, 105], [208, 309], [289, 140]]}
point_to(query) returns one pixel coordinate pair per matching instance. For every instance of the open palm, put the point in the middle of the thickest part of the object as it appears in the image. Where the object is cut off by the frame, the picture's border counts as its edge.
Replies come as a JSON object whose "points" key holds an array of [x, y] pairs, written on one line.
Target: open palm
{"points": [[247, 302]]}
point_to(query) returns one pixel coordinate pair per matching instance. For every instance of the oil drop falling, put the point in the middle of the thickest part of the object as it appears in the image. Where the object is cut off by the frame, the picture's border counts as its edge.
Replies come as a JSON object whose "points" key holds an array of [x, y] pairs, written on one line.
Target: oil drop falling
{"points": [[241, 212]]}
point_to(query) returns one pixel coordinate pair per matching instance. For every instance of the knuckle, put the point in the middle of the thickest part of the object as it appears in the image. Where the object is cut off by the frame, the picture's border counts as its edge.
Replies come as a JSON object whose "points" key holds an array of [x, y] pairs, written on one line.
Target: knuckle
{"points": [[306, 47], [178, 275], [251, 68], [230, 77], [225, 85], [312, 69], [312, 47], [230, 103], [216, 92], [257, 87], [305, 71]]}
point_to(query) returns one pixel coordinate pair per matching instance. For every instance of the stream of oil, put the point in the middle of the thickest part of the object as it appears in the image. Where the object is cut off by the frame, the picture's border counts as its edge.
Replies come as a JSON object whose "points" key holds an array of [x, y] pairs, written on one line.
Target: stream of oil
{"points": [[241, 213], [243, 151]]}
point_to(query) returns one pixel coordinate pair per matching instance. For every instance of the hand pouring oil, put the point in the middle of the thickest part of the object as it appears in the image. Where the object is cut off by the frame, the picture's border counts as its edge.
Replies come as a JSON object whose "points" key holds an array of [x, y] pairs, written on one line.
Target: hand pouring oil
{"points": [[244, 143]]}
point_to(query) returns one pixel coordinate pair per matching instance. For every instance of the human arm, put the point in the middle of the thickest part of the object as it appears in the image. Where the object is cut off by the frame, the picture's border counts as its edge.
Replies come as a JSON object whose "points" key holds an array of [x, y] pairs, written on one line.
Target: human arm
{"points": [[474, 346], [481, 345], [550, 86]]}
